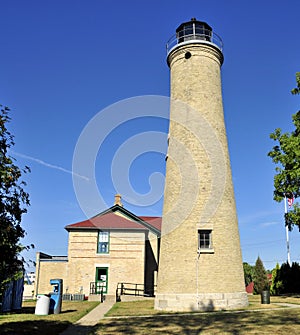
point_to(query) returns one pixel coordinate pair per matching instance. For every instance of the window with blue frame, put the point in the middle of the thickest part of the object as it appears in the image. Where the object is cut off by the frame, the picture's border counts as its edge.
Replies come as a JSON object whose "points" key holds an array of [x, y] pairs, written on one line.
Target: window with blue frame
{"points": [[103, 242]]}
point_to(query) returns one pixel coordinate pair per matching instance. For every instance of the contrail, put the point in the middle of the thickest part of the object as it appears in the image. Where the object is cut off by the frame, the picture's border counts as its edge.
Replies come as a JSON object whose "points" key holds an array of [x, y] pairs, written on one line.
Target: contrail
{"points": [[51, 166]]}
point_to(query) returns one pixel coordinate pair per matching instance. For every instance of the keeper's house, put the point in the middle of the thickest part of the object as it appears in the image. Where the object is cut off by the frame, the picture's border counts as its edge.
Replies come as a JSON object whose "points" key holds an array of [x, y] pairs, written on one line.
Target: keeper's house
{"points": [[110, 248]]}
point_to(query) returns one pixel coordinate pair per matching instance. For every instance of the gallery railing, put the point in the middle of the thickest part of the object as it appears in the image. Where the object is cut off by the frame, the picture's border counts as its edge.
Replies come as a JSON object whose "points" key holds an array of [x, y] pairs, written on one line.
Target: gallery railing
{"points": [[205, 36]]}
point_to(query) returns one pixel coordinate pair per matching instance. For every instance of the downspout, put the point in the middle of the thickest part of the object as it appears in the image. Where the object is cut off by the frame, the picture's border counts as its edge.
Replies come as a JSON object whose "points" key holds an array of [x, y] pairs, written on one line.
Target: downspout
{"points": [[37, 277]]}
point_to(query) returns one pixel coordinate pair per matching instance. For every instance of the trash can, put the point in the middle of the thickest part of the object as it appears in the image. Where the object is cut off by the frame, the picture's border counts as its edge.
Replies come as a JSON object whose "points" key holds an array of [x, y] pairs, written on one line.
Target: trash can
{"points": [[265, 297], [42, 305], [56, 296]]}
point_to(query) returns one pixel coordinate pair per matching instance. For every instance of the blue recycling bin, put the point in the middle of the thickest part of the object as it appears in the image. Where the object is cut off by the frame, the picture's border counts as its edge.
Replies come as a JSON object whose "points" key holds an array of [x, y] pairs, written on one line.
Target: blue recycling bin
{"points": [[56, 296]]}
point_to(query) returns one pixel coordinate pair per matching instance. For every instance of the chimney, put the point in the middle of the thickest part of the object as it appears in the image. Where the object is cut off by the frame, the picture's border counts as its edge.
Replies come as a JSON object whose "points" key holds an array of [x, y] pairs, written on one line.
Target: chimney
{"points": [[118, 200]]}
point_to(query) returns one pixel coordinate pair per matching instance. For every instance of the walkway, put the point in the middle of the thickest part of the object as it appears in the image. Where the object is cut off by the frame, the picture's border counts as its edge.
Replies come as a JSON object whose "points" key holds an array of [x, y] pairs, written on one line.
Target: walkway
{"points": [[85, 324]]}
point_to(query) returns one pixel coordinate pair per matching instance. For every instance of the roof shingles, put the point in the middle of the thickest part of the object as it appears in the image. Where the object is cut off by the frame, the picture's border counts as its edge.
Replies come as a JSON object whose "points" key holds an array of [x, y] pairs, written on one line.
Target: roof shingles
{"points": [[110, 220]]}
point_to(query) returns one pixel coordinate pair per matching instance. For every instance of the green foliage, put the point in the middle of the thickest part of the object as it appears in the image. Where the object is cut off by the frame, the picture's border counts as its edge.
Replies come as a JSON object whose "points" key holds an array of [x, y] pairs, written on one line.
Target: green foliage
{"points": [[290, 276], [297, 89], [277, 285], [260, 279], [286, 155], [13, 203], [293, 217], [286, 279], [248, 273]]}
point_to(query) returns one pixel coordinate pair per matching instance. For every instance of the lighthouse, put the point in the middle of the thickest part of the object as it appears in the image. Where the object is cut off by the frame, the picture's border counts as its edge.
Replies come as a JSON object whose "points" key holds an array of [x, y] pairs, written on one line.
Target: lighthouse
{"points": [[200, 265]]}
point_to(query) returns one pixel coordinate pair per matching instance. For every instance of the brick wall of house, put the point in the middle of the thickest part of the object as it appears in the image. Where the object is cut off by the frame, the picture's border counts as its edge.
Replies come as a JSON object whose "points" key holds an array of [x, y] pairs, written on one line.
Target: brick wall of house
{"points": [[47, 270], [125, 261]]}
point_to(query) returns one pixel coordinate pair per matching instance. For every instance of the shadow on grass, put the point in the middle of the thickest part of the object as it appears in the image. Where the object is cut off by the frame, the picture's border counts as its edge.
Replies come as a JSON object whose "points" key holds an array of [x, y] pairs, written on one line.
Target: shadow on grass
{"points": [[68, 311], [41, 327], [265, 322], [31, 310], [24, 310]]}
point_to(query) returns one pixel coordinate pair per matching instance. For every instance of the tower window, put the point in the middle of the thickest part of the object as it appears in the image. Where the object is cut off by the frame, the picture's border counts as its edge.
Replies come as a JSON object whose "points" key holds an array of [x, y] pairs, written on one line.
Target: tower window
{"points": [[204, 239]]}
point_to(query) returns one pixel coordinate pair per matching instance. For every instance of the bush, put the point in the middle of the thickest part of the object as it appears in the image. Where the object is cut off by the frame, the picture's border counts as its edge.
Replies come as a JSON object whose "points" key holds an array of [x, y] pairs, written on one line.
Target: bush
{"points": [[277, 285], [286, 279]]}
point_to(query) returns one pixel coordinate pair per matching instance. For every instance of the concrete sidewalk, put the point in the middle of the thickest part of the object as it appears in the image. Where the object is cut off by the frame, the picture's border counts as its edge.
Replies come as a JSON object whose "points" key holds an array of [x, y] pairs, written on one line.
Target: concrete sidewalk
{"points": [[86, 323]]}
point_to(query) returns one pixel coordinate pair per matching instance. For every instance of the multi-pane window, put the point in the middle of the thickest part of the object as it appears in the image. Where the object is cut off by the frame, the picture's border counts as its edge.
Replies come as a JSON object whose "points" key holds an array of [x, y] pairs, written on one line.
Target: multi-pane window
{"points": [[204, 238], [194, 30], [103, 242]]}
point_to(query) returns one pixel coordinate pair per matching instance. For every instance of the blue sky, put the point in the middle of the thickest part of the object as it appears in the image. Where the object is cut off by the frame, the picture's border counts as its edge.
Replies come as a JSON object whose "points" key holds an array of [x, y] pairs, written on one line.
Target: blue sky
{"points": [[62, 62]]}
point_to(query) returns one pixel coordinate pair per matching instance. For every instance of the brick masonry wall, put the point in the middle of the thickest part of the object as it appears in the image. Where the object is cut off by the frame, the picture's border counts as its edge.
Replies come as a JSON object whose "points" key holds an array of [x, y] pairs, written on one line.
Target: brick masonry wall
{"points": [[125, 262], [125, 252], [197, 147], [50, 270]]}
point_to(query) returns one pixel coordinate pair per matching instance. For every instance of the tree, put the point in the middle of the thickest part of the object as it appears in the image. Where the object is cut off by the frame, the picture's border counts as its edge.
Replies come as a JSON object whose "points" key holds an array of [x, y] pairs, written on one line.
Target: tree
{"points": [[286, 279], [290, 276], [297, 89], [13, 203], [260, 279], [294, 278], [248, 273], [277, 285], [286, 155]]}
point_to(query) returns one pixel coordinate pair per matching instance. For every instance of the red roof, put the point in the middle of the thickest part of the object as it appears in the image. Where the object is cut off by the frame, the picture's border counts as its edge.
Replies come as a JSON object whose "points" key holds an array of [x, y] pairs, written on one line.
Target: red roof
{"points": [[154, 221], [250, 287], [110, 220]]}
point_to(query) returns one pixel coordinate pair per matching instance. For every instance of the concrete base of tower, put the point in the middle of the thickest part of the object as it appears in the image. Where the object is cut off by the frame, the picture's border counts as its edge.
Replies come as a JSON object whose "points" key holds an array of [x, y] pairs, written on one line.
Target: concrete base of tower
{"points": [[202, 302]]}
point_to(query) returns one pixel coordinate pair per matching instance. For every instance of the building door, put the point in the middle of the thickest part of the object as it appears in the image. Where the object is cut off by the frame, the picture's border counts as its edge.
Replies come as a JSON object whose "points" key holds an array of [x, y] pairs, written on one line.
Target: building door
{"points": [[101, 280]]}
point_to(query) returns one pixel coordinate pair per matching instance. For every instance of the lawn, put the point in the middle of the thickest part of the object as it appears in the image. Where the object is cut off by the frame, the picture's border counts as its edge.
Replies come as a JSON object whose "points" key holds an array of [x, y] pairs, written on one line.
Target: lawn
{"points": [[27, 323], [139, 317], [145, 307], [279, 320]]}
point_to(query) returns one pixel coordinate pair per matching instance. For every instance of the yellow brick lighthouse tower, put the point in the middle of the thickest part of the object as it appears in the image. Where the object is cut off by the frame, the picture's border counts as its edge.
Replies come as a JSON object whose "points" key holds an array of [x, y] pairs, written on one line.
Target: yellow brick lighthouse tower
{"points": [[200, 266]]}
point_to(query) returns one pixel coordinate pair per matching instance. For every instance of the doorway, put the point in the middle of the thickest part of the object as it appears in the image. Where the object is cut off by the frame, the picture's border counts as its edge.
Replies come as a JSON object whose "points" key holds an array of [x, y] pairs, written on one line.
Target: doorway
{"points": [[101, 280]]}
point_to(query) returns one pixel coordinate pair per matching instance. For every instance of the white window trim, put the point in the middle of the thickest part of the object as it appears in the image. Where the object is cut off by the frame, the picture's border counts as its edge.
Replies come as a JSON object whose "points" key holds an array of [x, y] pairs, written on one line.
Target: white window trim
{"points": [[205, 250]]}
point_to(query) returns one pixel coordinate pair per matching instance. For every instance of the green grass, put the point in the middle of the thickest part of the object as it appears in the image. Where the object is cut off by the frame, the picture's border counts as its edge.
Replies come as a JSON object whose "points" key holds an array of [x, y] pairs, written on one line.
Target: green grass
{"points": [[295, 299], [247, 321], [142, 307], [279, 322], [146, 307], [27, 323], [139, 317]]}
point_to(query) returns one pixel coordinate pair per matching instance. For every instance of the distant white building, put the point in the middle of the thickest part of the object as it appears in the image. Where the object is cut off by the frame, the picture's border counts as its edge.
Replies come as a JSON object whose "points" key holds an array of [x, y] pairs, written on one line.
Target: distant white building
{"points": [[29, 277]]}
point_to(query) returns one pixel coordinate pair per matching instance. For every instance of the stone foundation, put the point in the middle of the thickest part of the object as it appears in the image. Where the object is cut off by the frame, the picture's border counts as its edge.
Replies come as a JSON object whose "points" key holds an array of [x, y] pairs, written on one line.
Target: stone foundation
{"points": [[204, 302]]}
